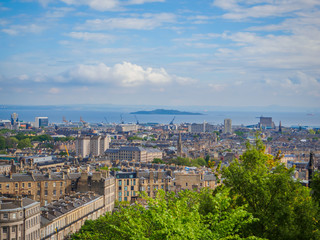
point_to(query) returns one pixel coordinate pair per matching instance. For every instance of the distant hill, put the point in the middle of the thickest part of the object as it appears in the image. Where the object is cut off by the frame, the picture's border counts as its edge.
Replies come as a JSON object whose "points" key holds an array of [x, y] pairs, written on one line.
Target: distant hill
{"points": [[166, 112]]}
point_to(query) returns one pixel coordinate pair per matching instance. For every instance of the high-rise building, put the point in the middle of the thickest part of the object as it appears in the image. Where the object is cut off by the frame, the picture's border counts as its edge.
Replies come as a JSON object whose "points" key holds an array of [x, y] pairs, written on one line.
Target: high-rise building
{"points": [[227, 126], [41, 122], [266, 122], [14, 118], [94, 145]]}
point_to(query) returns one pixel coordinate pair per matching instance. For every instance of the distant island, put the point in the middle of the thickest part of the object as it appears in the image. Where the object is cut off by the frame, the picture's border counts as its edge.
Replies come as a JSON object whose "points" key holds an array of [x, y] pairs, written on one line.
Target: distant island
{"points": [[166, 112]]}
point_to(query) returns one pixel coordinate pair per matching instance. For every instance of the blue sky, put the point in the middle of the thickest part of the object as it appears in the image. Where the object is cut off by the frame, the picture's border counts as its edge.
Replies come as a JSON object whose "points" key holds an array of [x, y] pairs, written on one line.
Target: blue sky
{"points": [[160, 52]]}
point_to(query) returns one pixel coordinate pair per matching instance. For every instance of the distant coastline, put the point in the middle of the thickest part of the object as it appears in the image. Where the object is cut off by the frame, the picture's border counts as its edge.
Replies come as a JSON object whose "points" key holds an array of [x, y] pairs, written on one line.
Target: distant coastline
{"points": [[166, 112]]}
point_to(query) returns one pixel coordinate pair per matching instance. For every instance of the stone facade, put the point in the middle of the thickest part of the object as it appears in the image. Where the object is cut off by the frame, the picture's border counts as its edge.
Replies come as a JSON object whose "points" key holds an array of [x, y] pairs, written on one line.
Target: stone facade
{"points": [[19, 219]]}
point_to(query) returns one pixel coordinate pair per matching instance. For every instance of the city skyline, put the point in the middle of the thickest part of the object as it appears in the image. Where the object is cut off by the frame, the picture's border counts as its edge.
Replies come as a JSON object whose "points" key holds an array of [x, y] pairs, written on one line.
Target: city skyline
{"points": [[157, 52]]}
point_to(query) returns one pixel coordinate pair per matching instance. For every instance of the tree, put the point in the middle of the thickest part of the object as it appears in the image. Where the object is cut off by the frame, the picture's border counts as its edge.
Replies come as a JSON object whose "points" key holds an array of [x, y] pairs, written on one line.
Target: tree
{"points": [[283, 206], [2, 143], [24, 143], [171, 216], [315, 185], [157, 161]]}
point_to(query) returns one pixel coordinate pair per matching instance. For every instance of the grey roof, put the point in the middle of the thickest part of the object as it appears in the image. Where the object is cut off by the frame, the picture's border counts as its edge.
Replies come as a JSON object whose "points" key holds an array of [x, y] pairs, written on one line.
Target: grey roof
{"points": [[16, 177], [8, 203], [209, 177]]}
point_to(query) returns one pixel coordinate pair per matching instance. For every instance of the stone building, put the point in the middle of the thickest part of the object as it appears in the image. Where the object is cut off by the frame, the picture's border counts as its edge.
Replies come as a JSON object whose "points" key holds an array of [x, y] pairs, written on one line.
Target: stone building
{"points": [[40, 187], [64, 217], [137, 154], [19, 219]]}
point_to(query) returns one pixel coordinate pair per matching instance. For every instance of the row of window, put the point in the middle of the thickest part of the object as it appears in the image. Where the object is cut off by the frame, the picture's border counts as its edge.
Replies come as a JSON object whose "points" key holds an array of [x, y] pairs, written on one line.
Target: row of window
{"points": [[127, 182], [30, 185], [133, 193], [126, 188]]}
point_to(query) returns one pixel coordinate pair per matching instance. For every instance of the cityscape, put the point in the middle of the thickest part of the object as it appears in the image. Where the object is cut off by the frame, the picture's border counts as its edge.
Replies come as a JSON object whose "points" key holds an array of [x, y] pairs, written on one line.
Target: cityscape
{"points": [[159, 119], [55, 176]]}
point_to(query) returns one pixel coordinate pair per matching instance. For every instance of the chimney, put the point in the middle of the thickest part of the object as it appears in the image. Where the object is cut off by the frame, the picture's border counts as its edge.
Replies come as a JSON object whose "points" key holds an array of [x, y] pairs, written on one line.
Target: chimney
{"points": [[10, 175]]}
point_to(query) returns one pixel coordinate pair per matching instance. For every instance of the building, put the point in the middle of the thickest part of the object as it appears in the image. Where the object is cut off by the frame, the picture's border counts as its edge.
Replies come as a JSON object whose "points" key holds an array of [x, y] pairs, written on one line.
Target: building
{"points": [[92, 145], [43, 188], [201, 128], [126, 127], [41, 122], [266, 122], [137, 154], [19, 219], [66, 216], [227, 126]]}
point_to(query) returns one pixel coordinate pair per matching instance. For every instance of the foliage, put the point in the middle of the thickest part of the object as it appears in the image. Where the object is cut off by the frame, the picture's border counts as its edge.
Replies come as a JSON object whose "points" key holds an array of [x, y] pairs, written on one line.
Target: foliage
{"points": [[24, 143], [283, 206], [172, 217], [158, 161], [189, 162], [315, 185], [131, 138], [239, 133]]}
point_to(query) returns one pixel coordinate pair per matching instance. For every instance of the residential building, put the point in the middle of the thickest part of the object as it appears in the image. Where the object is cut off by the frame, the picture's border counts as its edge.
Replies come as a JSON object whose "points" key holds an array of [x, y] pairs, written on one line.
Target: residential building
{"points": [[41, 122], [19, 219], [227, 126], [92, 145], [137, 154]]}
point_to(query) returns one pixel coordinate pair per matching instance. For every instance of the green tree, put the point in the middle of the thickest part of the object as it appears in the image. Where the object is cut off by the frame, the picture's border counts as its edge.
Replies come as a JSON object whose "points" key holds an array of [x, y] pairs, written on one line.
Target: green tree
{"points": [[283, 206], [2, 143], [169, 216], [315, 185], [24, 143], [157, 161], [11, 142]]}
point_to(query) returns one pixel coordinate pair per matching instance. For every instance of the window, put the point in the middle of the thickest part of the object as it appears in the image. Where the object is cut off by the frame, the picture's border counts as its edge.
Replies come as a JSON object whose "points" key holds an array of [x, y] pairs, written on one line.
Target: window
{"points": [[54, 192], [126, 188], [120, 182], [186, 184], [132, 187], [61, 184], [128, 182], [22, 185], [5, 229], [46, 184], [127, 193], [13, 229], [125, 198], [45, 192], [7, 186], [38, 184], [16, 185], [120, 199], [38, 192], [60, 192], [29, 185], [133, 193], [54, 184], [0, 186], [134, 182], [5, 215], [120, 188], [120, 193]]}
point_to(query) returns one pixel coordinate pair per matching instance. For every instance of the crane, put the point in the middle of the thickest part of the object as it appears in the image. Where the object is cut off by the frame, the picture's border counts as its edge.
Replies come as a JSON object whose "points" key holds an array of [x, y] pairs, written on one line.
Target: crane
{"points": [[136, 119], [171, 123], [106, 119], [64, 119], [122, 122], [67, 150]]}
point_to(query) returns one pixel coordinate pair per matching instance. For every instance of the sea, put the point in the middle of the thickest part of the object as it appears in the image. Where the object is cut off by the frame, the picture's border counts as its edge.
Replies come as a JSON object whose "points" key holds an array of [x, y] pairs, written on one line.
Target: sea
{"points": [[118, 114]]}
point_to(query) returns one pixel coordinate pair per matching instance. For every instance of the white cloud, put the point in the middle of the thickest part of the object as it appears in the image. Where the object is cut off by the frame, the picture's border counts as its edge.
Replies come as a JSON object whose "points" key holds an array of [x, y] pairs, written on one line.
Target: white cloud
{"points": [[99, 5], [87, 36], [22, 29], [143, 1], [217, 87], [145, 22], [23, 77], [54, 90], [242, 9], [123, 74], [58, 12]]}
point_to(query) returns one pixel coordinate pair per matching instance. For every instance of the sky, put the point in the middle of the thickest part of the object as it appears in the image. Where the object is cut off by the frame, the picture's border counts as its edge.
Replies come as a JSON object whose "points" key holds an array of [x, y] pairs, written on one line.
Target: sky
{"points": [[160, 52]]}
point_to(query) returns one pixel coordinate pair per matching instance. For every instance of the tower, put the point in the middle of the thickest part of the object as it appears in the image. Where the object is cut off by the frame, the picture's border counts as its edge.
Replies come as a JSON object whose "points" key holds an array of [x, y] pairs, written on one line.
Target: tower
{"points": [[179, 146], [280, 127], [227, 126]]}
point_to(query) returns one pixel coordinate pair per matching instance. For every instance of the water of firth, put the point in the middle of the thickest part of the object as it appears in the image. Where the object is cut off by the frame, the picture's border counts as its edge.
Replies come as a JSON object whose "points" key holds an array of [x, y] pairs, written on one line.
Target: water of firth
{"points": [[114, 115]]}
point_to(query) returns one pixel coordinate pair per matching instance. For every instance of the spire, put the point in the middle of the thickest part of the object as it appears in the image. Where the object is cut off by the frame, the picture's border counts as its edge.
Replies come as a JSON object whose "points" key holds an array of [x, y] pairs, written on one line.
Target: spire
{"points": [[280, 127], [179, 147]]}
